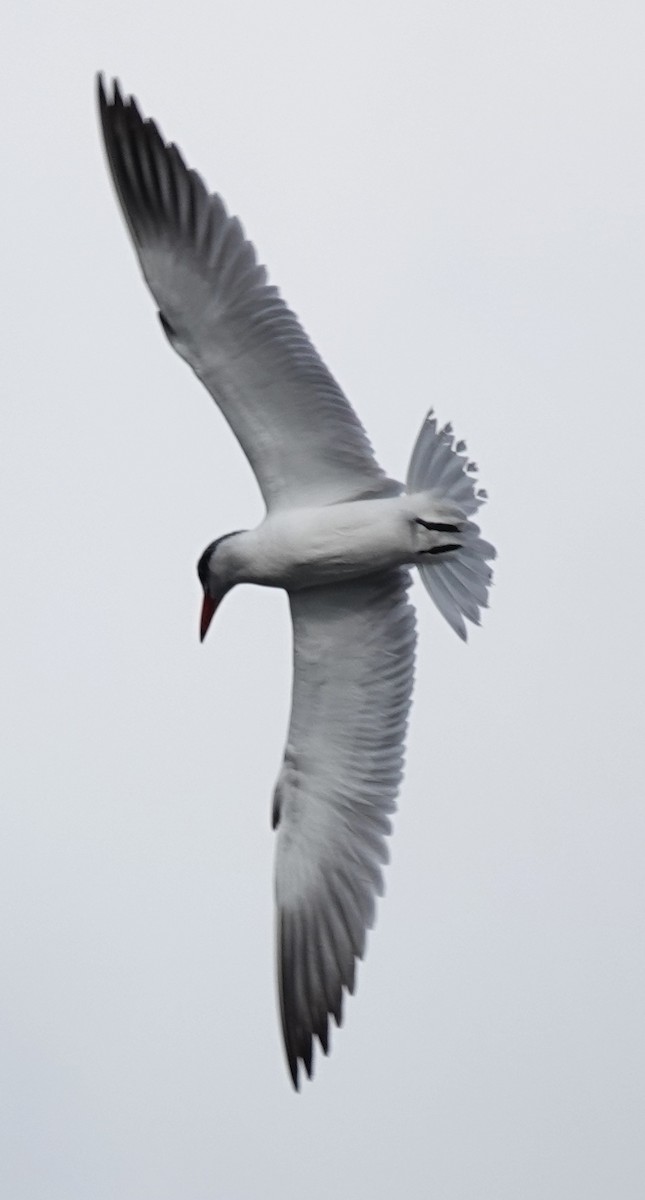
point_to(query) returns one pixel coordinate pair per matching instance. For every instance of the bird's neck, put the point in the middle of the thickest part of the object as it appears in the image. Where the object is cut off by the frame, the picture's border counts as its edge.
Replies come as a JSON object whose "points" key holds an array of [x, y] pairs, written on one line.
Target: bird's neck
{"points": [[237, 558]]}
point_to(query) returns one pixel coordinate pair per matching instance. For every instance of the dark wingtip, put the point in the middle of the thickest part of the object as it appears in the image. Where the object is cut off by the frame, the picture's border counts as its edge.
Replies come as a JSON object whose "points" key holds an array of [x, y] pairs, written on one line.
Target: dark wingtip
{"points": [[102, 99], [103, 87], [109, 92], [293, 1071]]}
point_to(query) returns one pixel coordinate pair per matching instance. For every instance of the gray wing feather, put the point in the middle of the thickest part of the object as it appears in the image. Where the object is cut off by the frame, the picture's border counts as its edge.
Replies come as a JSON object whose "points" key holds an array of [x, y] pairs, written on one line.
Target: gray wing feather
{"points": [[301, 436], [353, 671]]}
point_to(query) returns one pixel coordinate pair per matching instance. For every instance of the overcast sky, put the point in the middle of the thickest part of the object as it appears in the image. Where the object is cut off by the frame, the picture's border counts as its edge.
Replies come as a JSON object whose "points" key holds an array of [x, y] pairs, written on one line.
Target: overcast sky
{"points": [[450, 195]]}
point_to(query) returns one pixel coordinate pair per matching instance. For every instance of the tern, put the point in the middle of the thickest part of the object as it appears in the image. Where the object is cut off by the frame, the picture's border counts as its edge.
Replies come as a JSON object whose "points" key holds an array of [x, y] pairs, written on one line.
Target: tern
{"points": [[339, 536]]}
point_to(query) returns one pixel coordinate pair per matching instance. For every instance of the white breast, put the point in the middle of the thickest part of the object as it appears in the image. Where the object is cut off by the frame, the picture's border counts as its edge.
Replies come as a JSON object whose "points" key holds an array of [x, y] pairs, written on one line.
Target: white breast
{"points": [[302, 547]]}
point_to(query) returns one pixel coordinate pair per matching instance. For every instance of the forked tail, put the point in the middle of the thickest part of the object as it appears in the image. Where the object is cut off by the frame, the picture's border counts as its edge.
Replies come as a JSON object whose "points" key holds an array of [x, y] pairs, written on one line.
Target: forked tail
{"points": [[459, 581]]}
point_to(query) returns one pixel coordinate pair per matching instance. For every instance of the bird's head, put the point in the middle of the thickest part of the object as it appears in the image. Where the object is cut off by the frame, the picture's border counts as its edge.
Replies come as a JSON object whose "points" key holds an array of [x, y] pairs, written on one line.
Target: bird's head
{"points": [[216, 577]]}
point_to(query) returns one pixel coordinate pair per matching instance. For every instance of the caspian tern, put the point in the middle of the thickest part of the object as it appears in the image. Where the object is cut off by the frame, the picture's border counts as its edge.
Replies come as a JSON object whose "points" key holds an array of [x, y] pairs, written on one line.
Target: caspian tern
{"points": [[339, 536]]}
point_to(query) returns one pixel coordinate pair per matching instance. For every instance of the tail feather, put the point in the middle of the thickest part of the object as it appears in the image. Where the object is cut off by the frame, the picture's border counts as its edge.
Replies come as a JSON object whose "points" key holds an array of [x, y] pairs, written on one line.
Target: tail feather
{"points": [[471, 581], [436, 586], [459, 582]]}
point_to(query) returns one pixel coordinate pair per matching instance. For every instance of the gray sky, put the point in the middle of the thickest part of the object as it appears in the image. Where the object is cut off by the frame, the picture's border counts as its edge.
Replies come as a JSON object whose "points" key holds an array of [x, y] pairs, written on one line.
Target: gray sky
{"points": [[451, 197]]}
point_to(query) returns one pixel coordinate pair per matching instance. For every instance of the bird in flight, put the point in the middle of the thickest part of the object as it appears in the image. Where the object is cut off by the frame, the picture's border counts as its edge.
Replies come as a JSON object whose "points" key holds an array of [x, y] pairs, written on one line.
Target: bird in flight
{"points": [[339, 536]]}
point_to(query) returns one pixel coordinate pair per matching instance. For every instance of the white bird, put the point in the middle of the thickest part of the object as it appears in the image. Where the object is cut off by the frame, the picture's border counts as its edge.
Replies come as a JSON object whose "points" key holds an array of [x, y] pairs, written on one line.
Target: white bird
{"points": [[338, 536]]}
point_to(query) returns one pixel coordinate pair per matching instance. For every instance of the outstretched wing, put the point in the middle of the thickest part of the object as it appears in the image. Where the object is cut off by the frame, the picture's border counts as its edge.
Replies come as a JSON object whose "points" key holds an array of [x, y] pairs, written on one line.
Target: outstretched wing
{"points": [[302, 438], [353, 670]]}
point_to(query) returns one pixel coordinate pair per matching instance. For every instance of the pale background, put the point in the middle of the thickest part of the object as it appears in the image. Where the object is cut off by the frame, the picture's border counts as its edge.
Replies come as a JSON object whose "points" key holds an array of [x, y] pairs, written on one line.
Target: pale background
{"points": [[451, 195]]}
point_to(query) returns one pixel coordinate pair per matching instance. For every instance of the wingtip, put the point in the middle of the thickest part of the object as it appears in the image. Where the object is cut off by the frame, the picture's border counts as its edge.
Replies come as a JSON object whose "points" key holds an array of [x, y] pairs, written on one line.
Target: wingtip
{"points": [[295, 1058], [101, 94], [109, 91], [323, 1034], [293, 1071], [103, 87]]}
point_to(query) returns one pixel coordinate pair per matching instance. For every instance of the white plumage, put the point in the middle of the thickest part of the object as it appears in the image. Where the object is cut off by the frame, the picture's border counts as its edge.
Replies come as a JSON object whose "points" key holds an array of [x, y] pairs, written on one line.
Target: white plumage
{"points": [[339, 536]]}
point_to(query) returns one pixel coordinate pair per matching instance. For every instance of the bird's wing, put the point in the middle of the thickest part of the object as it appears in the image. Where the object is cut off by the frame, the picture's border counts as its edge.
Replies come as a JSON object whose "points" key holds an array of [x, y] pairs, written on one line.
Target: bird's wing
{"points": [[353, 670], [301, 436]]}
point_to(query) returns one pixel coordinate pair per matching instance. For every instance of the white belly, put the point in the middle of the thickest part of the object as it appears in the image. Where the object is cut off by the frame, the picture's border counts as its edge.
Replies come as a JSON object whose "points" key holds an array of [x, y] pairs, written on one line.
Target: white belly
{"points": [[304, 547]]}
